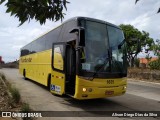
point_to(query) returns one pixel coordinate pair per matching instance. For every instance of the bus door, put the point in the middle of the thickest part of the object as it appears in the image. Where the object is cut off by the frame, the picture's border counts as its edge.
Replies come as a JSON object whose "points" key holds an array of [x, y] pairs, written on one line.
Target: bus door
{"points": [[63, 65], [57, 85], [70, 71]]}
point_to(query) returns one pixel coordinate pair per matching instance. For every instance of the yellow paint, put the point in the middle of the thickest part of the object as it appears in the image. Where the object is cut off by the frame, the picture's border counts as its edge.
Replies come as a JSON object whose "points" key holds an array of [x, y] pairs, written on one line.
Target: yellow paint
{"points": [[39, 66], [99, 88], [58, 79]]}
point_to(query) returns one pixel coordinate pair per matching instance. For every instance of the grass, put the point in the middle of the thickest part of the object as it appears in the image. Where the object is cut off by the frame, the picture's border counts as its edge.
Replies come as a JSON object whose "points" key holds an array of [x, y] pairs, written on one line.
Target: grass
{"points": [[3, 77], [15, 94], [24, 109], [12, 93], [14, 98]]}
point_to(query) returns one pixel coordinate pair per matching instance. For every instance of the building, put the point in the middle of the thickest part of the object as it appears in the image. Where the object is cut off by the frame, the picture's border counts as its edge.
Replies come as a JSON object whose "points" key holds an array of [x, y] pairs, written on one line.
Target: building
{"points": [[145, 61], [1, 61]]}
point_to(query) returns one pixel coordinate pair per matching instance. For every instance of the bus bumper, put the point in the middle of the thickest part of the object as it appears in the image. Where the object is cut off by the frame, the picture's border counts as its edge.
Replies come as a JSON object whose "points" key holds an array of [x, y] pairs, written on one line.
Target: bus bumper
{"points": [[99, 92]]}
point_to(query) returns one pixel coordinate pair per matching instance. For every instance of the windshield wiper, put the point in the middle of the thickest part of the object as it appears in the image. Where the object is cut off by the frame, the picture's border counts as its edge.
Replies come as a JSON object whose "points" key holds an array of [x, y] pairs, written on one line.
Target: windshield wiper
{"points": [[120, 45], [107, 59]]}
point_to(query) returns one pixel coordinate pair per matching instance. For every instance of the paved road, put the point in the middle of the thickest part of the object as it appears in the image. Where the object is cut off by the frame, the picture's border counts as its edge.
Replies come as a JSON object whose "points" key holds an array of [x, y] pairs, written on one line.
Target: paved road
{"points": [[140, 96]]}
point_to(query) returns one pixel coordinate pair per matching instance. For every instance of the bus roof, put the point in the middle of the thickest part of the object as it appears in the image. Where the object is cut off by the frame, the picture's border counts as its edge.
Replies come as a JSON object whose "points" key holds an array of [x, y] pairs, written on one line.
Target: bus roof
{"points": [[91, 19], [76, 18]]}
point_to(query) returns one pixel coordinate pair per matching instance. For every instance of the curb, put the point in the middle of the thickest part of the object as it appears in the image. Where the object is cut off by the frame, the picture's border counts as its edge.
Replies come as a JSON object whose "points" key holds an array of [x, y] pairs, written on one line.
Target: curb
{"points": [[144, 81]]}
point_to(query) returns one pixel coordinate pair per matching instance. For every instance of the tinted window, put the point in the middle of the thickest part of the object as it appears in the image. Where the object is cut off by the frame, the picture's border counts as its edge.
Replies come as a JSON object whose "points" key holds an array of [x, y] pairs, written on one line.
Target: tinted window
{"points": [[40, 44], [67, 27], [58, 61], [37, 45], [33, 47], [52, 36], [43, 43], [115, 36], [96, 45], [26, 50]]}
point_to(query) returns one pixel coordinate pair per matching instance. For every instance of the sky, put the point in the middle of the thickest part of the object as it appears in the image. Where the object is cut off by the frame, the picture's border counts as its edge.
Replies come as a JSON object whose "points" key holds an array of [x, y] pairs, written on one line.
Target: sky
{"points": [[143, 16]]}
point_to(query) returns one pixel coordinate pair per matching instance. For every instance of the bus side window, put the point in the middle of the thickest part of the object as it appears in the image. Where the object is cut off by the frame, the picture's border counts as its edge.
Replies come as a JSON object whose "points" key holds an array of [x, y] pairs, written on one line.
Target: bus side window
{"points": [[58, 61]]}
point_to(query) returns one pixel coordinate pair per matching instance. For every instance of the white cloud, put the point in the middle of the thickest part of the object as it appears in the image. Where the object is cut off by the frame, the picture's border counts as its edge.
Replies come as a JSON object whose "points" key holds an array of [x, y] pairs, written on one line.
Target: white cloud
{"points": [[140, 22], [142, 15], [4, 34]]}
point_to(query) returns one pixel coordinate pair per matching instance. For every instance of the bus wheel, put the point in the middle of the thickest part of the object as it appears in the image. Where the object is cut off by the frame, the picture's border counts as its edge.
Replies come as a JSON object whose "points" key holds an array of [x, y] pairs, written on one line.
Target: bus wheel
{"points": [[49, 82], [24, 74]]}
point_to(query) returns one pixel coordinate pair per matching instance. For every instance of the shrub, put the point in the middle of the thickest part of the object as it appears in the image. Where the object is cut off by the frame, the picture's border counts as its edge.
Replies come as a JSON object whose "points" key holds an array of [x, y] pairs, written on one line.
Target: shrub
{"points": [[3, 76], [15, 94], [155, 64], [24, 109], [136, 62]]}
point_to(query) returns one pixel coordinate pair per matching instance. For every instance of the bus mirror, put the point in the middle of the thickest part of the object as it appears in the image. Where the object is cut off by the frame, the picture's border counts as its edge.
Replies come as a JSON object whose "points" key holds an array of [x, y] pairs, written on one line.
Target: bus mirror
{"points": [[81, 32], [82, 37]]}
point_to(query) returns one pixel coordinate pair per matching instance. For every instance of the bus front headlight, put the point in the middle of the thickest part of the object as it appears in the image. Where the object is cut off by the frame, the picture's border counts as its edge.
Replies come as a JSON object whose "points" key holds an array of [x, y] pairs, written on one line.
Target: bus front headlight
{"points": [[84, 89]]}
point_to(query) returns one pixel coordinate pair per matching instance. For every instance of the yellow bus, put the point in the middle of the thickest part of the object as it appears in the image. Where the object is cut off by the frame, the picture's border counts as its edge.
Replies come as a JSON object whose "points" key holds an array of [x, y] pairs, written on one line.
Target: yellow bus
{"points": [[84, 58]]}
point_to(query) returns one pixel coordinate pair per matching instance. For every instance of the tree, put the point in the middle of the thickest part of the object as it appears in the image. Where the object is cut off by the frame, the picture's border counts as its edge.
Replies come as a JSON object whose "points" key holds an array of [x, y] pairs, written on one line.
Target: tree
{"points": [[132, 36], [156, 48], [40, 10], [139, 0], [148, 58]]}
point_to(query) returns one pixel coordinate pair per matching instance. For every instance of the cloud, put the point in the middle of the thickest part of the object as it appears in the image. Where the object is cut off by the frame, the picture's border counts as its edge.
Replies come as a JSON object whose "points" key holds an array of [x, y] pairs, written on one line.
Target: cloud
{"points": [[4, 34], [140, 22], [142, 15], [12, 39]]}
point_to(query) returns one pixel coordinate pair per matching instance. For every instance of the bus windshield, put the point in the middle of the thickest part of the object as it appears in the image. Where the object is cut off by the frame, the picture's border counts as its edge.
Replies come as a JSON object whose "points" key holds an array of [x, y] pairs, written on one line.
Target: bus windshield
{"points": [[101, 46]]}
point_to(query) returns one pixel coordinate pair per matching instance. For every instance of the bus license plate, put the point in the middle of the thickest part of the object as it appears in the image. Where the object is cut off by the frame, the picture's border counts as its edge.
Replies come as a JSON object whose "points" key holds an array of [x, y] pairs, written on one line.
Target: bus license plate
{"points": [[109, 92]]}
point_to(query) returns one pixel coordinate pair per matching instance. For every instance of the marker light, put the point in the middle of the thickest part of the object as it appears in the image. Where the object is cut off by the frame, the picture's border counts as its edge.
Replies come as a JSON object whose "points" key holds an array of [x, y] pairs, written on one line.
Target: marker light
{"points": [[124, 88], [84, 89]]}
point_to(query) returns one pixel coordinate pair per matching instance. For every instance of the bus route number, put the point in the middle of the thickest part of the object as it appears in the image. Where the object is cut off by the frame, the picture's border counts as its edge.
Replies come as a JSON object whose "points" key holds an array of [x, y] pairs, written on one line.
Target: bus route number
{"points": [[110, 81]]}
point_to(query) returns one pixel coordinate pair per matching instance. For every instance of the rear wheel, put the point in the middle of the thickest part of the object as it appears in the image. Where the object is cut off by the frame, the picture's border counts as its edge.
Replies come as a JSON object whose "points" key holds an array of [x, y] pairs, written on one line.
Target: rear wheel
{"points": [[49, 82], [24, 74]]}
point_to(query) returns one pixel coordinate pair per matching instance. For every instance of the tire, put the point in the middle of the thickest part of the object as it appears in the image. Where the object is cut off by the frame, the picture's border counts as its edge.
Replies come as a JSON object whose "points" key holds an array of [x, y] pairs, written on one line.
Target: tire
{"points": [[49, 82], [24, 74]]}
